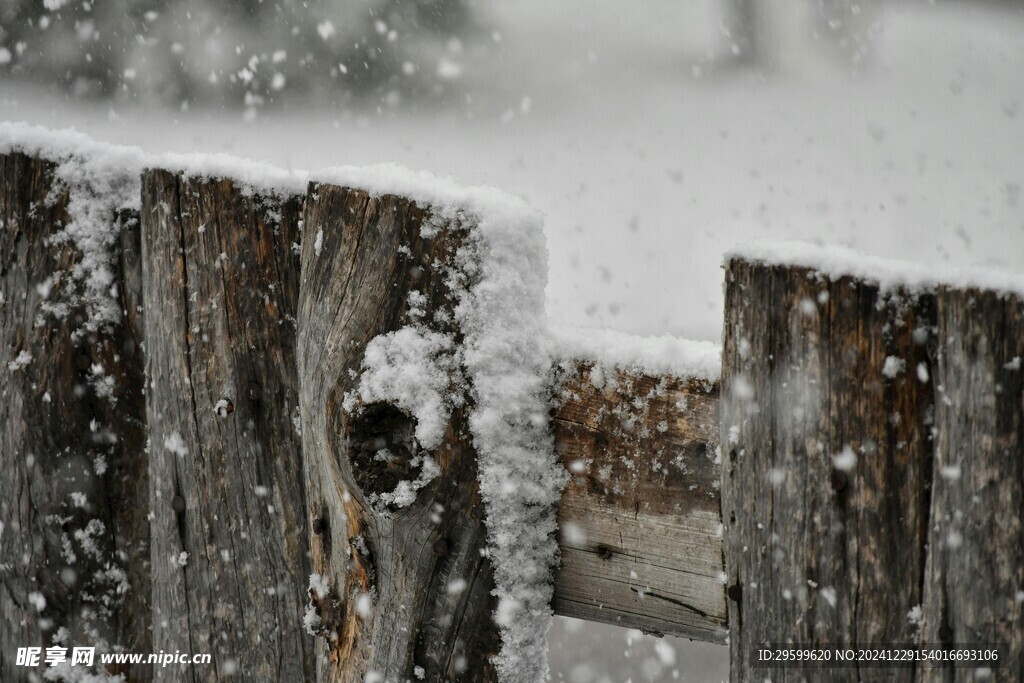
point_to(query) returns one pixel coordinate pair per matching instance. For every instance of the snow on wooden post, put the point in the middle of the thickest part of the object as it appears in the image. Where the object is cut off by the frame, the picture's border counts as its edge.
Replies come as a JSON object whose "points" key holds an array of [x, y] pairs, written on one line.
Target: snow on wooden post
{"points": [[401, 581], [220, 283], [872, 423], [73, 526], [827, 414], [974, 586]]}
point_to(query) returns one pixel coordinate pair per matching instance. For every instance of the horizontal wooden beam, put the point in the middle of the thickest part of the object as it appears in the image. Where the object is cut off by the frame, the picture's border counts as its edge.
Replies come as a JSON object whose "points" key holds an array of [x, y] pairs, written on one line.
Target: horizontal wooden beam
{"points": [[640, 521]]}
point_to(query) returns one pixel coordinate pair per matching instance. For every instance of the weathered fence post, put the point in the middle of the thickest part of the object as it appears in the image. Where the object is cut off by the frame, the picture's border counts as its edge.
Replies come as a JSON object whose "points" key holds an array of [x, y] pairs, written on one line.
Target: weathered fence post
{"points": [[871, 441], [974, 589], [73, 530], [826, 421], [872, 481], [230, 565], [403, 585]]}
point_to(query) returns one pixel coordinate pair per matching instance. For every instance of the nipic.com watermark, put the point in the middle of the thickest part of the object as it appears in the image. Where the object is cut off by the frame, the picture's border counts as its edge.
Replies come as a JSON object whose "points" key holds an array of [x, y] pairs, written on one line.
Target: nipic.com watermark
{"points": [[86, 656]]}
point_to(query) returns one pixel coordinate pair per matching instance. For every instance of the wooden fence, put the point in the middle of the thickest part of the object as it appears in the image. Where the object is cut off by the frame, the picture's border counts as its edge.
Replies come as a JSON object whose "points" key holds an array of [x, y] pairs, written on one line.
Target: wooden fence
{"points": [[170, 482]]}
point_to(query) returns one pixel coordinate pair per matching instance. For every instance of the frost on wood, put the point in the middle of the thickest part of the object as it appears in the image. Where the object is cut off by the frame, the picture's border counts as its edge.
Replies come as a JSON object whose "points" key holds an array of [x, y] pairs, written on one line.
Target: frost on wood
{"points": [[75, 255], [96, 192], [499, 278], [102, 186], [824, 262]]}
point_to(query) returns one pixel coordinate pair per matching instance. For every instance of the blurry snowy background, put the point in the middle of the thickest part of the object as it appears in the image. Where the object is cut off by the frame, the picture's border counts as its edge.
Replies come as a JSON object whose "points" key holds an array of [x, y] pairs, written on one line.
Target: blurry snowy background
{"points": [[654, 134]]}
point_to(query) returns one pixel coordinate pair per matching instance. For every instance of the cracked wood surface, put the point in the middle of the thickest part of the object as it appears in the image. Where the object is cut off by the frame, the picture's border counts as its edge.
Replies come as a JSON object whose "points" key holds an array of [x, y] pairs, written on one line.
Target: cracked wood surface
{"points": [[974, 588], [211, 517], [389, 607], [872, 467], [817, 553], [640, 518], [229, 549], [72, 467]]}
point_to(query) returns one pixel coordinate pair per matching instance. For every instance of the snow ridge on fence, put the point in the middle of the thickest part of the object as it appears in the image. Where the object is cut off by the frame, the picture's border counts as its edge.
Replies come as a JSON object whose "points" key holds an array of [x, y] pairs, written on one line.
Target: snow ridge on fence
{"points": [[836, 261]]}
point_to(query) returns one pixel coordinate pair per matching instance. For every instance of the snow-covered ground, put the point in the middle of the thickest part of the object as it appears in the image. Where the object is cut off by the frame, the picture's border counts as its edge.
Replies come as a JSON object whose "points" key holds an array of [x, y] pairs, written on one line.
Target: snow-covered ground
{"points": [[650, 161]]}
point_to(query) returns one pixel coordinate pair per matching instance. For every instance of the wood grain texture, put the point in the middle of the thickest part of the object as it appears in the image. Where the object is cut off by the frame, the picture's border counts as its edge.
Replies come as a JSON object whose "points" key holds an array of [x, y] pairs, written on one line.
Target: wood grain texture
{"points": [[870, 454], [973, 592], [73, 489], [220, 289], [388, 607], [214, 268], [640, 520], [817, 552]]}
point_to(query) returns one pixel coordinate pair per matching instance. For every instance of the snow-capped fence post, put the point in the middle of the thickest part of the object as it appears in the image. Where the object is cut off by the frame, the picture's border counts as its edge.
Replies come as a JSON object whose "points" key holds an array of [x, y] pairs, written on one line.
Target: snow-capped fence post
{"points": [[402, 584], [826, 423], [974, 586], [229, 553], [873, 476], [74, 548]]}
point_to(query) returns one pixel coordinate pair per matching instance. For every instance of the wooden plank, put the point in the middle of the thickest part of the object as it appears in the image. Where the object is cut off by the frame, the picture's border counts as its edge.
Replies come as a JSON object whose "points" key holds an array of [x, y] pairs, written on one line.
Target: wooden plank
{"points": [[73, 526], [975, 565], [640, 519], [229, 552], [386, 609], [827, 462]]}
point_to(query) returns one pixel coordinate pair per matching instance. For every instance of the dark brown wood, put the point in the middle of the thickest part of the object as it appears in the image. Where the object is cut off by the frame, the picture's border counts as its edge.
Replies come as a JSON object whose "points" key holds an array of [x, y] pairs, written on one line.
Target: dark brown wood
{"points": [[640, 520], [827, 462], [974, 589], [386, 605], [229, 557], [73, 511]]}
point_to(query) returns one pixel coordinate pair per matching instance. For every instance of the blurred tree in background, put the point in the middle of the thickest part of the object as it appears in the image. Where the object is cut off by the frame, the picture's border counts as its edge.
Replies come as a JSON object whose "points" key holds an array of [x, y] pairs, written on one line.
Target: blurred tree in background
{"points": [[797, 35], [252, 51]]}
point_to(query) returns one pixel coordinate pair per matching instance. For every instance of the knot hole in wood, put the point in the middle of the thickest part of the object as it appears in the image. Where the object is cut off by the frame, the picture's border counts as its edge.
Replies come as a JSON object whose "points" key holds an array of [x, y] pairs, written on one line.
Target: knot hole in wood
{"points": [[383, 447]]}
